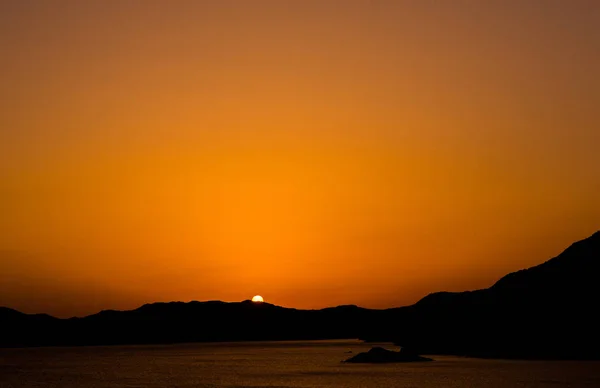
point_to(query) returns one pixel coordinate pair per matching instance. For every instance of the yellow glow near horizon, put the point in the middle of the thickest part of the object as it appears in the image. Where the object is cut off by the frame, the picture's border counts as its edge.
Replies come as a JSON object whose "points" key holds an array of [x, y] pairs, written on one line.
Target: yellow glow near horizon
{"points": [[257, 298]]}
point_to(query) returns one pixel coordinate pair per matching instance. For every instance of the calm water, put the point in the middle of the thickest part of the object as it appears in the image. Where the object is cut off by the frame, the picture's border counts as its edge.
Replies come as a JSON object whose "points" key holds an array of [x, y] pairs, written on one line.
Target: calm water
{"points": [[281, 364]]}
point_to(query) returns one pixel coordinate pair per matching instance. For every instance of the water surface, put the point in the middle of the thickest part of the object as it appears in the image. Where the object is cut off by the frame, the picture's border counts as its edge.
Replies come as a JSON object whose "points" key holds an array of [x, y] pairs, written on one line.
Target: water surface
{"points": [[274, 364]]}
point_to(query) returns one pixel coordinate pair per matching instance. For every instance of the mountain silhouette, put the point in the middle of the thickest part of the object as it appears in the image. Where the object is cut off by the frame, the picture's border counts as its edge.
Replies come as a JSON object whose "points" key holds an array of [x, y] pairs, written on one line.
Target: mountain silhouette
{"points": [[177, 322], [547, 311]]}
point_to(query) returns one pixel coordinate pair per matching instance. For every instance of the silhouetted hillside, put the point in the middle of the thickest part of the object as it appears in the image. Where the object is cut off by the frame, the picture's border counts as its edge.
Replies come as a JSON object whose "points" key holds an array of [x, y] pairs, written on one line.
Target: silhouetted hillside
{"points": [[187, 322], [14, 315], [548, 311], [18, 329]]}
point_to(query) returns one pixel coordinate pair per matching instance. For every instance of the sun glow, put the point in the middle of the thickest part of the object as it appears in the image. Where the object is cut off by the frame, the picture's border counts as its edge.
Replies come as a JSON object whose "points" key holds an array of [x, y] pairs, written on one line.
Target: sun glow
{"points": [[258, 299]]}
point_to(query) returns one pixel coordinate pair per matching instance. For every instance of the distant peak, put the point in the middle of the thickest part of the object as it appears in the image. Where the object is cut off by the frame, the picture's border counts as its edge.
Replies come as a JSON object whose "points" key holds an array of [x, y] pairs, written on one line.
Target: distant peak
{"points": [[344, 307], [593, 239], [9, 310]]}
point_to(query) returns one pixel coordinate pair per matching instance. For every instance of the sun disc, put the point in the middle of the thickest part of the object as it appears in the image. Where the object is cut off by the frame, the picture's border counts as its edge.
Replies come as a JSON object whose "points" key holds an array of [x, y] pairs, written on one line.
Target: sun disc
{"points": [[257, 298]]}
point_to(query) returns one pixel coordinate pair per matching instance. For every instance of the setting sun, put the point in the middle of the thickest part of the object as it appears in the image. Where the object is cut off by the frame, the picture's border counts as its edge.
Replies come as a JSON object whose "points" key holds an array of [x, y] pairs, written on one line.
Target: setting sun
{"points": [[402, 179], [315, 151]]}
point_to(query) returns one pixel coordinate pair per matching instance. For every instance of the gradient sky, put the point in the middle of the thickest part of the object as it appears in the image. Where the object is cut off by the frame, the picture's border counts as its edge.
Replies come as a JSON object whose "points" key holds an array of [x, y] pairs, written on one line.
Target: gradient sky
{"points": [[314, 152]]}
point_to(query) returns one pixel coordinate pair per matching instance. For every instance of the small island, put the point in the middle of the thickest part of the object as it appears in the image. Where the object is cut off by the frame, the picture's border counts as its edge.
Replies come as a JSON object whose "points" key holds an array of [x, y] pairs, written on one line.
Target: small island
{"points": [[379, 355]]}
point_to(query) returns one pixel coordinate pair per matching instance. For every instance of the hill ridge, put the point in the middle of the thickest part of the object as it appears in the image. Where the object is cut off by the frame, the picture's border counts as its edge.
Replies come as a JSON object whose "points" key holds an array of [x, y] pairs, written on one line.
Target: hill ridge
{"points": [[545, 311]]}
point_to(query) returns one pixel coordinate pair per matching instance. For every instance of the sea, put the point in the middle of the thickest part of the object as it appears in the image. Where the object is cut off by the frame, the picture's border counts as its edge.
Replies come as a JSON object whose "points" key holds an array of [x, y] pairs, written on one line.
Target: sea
{"points": [[272, 364]]}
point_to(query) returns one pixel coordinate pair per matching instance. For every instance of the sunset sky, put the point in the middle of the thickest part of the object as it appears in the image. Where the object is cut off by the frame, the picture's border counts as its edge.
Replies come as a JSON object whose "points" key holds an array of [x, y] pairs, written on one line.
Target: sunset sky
{"points": [[314, 152]]}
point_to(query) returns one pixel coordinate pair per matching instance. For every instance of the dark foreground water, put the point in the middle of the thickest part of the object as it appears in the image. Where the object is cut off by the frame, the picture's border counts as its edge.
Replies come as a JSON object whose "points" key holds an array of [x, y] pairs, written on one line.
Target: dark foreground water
{"points": [[280, 364]]}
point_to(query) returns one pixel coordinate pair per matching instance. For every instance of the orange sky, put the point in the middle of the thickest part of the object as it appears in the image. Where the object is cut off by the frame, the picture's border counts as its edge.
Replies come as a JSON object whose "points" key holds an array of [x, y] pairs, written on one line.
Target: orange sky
{"points": [[314, 152]]}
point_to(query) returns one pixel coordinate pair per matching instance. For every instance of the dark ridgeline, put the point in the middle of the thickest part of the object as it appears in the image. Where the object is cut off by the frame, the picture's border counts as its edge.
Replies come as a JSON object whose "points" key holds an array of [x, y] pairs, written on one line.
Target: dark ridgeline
{"points": [[548, 311], [183, 322]]}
